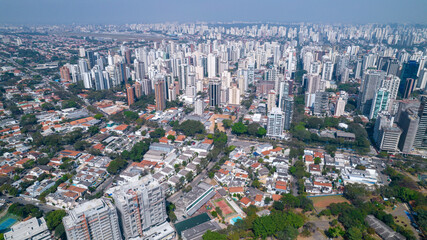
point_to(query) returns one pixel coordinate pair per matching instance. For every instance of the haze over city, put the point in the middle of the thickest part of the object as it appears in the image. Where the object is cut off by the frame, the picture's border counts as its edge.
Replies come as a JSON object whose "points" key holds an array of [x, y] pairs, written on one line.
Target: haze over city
{"points": [[142, 11]]}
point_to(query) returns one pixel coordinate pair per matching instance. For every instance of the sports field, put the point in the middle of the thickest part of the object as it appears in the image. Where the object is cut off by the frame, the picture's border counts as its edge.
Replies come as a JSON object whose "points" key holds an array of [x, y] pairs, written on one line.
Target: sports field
{"points": [[226, 209], [7, 221], [322, 202]]}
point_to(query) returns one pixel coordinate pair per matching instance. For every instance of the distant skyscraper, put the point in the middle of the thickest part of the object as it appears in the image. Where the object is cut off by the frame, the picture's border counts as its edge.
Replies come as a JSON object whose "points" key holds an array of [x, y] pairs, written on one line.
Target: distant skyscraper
{"points": [[287, 107], [198, 107], [65, 74], [409, 72], [391, 84], [211, 65], [251, 73], [393, 67], [358, 72], [90, 59], [95, 220], [421, 136], [138, 90], [159, 90], [328, 69], [409, 87], [87, 79], [340, 106], [82, 52], [121, 73], [234, 95], [139, 69], [141, 206], [379, 103], [372, 81], [386, 135], [83, 66], [275, 123], [271, 100], [321, 104], [147, 88], [408, 122], [422, 79], [130, 94], [214, 92], [312, 83]]}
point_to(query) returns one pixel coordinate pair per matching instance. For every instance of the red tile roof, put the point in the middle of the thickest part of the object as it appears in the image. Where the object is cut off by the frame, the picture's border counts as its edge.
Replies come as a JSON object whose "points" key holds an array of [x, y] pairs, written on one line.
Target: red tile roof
{"points": [[245, 200]]}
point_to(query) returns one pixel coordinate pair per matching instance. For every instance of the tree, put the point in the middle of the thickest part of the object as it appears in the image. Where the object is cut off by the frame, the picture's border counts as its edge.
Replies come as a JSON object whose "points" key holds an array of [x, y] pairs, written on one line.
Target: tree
{"points": [[267, 200], [93, 130], [227, 123], [354, 192], [116, 165], [43, 161], [261, 132], [54, 218], [209, 235], [289, 233], [317, 160], [190, 127], [98, 116], [278, 205], [47, 106], [354, 233], [256, 184], [253, 129], [334, 232], [171, 137], [239, 128], [28, 120], [189, 176], [69, 104], [158, 133], [130, 115], [81, 145]]}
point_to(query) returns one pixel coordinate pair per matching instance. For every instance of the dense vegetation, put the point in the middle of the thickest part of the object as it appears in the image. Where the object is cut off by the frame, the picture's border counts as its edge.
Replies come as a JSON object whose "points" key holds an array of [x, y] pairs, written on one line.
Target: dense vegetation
{"points": [[279, 224], [189, 127]]}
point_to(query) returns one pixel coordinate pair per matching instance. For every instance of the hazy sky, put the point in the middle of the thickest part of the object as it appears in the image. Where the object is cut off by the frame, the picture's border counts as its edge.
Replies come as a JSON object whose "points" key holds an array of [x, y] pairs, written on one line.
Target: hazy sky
{"points": [[142, 11]]}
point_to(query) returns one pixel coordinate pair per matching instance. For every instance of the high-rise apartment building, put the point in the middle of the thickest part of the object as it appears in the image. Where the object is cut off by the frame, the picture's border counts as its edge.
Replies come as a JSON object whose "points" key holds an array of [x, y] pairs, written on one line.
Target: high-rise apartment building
{"points": [[198, 107], [130, 94], [328, 69], [271, 100], [421, 136], [65, 73], [391, 83], [211, 65], [372, 81], [234, 95], [141, 206], [380, 102], [93, 220], [275, 123], [409, 87], [159, 91], [340, 106], [287, 107], [214, 92], [321, 104], [386, 134], [408, 122]]}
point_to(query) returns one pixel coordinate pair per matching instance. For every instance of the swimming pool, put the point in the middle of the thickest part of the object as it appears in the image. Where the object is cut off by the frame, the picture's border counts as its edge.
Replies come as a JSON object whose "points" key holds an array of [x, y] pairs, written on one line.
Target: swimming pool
{"points": [[234, 220], [7, 223]]}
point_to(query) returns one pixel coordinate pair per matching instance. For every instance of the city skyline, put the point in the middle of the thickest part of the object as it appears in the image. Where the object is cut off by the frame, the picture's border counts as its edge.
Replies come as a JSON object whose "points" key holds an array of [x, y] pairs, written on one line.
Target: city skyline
{"points": [[132, 11]]}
